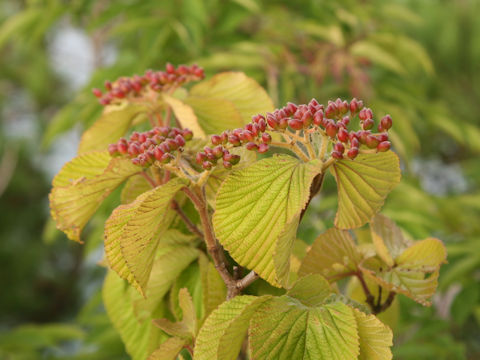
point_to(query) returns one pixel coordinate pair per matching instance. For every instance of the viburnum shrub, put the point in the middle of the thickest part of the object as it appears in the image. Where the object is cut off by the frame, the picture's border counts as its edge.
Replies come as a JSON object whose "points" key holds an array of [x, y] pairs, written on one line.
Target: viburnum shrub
{"points": [[202, 252]]}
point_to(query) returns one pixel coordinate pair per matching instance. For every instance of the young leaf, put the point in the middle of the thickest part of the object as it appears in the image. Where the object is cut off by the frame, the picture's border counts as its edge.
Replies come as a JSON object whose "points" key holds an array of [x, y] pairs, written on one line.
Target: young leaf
{"points": [[81, 186], [413, 271], [139, 335], [168, 265], [333, 255], [214, 291], [222, 334], [110, 127], [253, 208], [134, 187], [184, 113], [311, 290], [227, 100], [388, 238], [375, 337], [132, 232], [363, 185], [169, 349], [284, 328], [187, 328]]}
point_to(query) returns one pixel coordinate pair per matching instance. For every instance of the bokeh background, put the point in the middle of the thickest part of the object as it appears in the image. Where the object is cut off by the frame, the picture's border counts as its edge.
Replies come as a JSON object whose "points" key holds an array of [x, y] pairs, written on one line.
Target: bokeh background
{"points": [[418, 60]]}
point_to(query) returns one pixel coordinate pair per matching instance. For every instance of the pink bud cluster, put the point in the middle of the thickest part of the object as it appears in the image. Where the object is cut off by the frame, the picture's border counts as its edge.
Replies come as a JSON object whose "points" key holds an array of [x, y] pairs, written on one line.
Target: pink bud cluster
{"points": [[210, 156], [144, 148], [157, 81]]}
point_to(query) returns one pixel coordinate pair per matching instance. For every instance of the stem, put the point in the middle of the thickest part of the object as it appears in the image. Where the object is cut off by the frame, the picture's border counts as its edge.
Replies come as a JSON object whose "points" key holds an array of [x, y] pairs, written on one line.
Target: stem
{"points": [[323, 148], [327, 163], [190, 225], [311, 152], [291, 147], [234, 287], [370, 298], [148, 178], [375, 307], [210, 240]]}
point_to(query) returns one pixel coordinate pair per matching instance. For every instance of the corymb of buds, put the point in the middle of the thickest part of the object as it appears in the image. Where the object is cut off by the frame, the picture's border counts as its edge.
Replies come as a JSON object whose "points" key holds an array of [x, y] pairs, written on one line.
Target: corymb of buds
{"points": [[332, 120], [156, 81], [144, 148]]}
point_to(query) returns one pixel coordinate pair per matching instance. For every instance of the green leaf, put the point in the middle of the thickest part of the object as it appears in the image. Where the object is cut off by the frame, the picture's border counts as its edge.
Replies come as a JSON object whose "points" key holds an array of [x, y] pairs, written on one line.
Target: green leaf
{"points": [[375, 337], [187, 328], [169, 349], [132, 232], [311, 290], [283, 328], [227, 100], [138, 334], [378, 55], [168, 265], [110, 127], [184, 113], [387, 238], [222, 334], [81, 186], [134, 187], [363, 184], [253, 208], [414, 271], [333, 255], [214, 290]]}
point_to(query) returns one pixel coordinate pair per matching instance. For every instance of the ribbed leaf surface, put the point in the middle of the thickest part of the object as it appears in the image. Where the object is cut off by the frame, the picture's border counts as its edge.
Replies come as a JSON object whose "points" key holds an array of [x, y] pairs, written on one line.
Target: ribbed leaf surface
{"points": [[81, 186], [363, 184], [254, 206]]}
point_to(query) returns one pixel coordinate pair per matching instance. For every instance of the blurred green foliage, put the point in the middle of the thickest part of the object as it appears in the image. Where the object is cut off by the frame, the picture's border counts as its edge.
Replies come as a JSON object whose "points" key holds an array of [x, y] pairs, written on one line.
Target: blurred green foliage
{"points": [[417, 60]]}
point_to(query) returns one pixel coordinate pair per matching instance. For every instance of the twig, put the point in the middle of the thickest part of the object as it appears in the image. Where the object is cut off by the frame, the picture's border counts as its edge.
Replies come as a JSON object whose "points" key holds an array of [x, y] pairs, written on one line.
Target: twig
{"points": [[148, 178], [247, 280], [370, 300], [190, 225]]}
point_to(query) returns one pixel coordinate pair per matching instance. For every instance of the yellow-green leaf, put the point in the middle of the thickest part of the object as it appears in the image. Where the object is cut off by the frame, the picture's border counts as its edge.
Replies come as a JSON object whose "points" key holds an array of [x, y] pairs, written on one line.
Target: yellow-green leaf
{"points": [[388, 238], [81, 186], [375, 337], [227, 100], [214, 291], [412, 269], [222, 334], [138, 334], [285, 329], [132, 232], [311, 290], [184, 113], [134, 187], [187, 328], [254, 206], [110, 127], [363, 184], [169, 349], [333, 255]]}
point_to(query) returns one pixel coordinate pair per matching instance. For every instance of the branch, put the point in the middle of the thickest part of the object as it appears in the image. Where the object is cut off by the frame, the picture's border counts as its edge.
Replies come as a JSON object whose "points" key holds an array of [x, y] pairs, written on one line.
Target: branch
{"points": [[375, 307], [148, 178], [213, 247], [190, 225]]}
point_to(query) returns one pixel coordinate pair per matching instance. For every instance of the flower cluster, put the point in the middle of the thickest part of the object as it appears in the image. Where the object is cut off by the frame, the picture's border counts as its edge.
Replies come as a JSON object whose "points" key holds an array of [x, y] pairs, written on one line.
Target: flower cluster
{"points": [[156, 81], [332, 121], [144, 148]]}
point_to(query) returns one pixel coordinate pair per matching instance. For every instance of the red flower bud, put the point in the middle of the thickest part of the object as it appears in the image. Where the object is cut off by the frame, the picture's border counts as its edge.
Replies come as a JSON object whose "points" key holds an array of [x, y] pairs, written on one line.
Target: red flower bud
{"points": [[318, 118], [158, 153], [386, 122], [342, 135], [367, 124], [365, 114], [112, 149], [331, 129], [339, 147], [295, 124], [97, 92], [371, 141], [180, 140], [216, 140], [283, 123], [218, 151], [251, 146], [266, 138], [227, 165], [187, 134], [337, 155], [384, 146], [352, 153], [200, 157], [263, 148], [262, 125], [234, 140]]}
